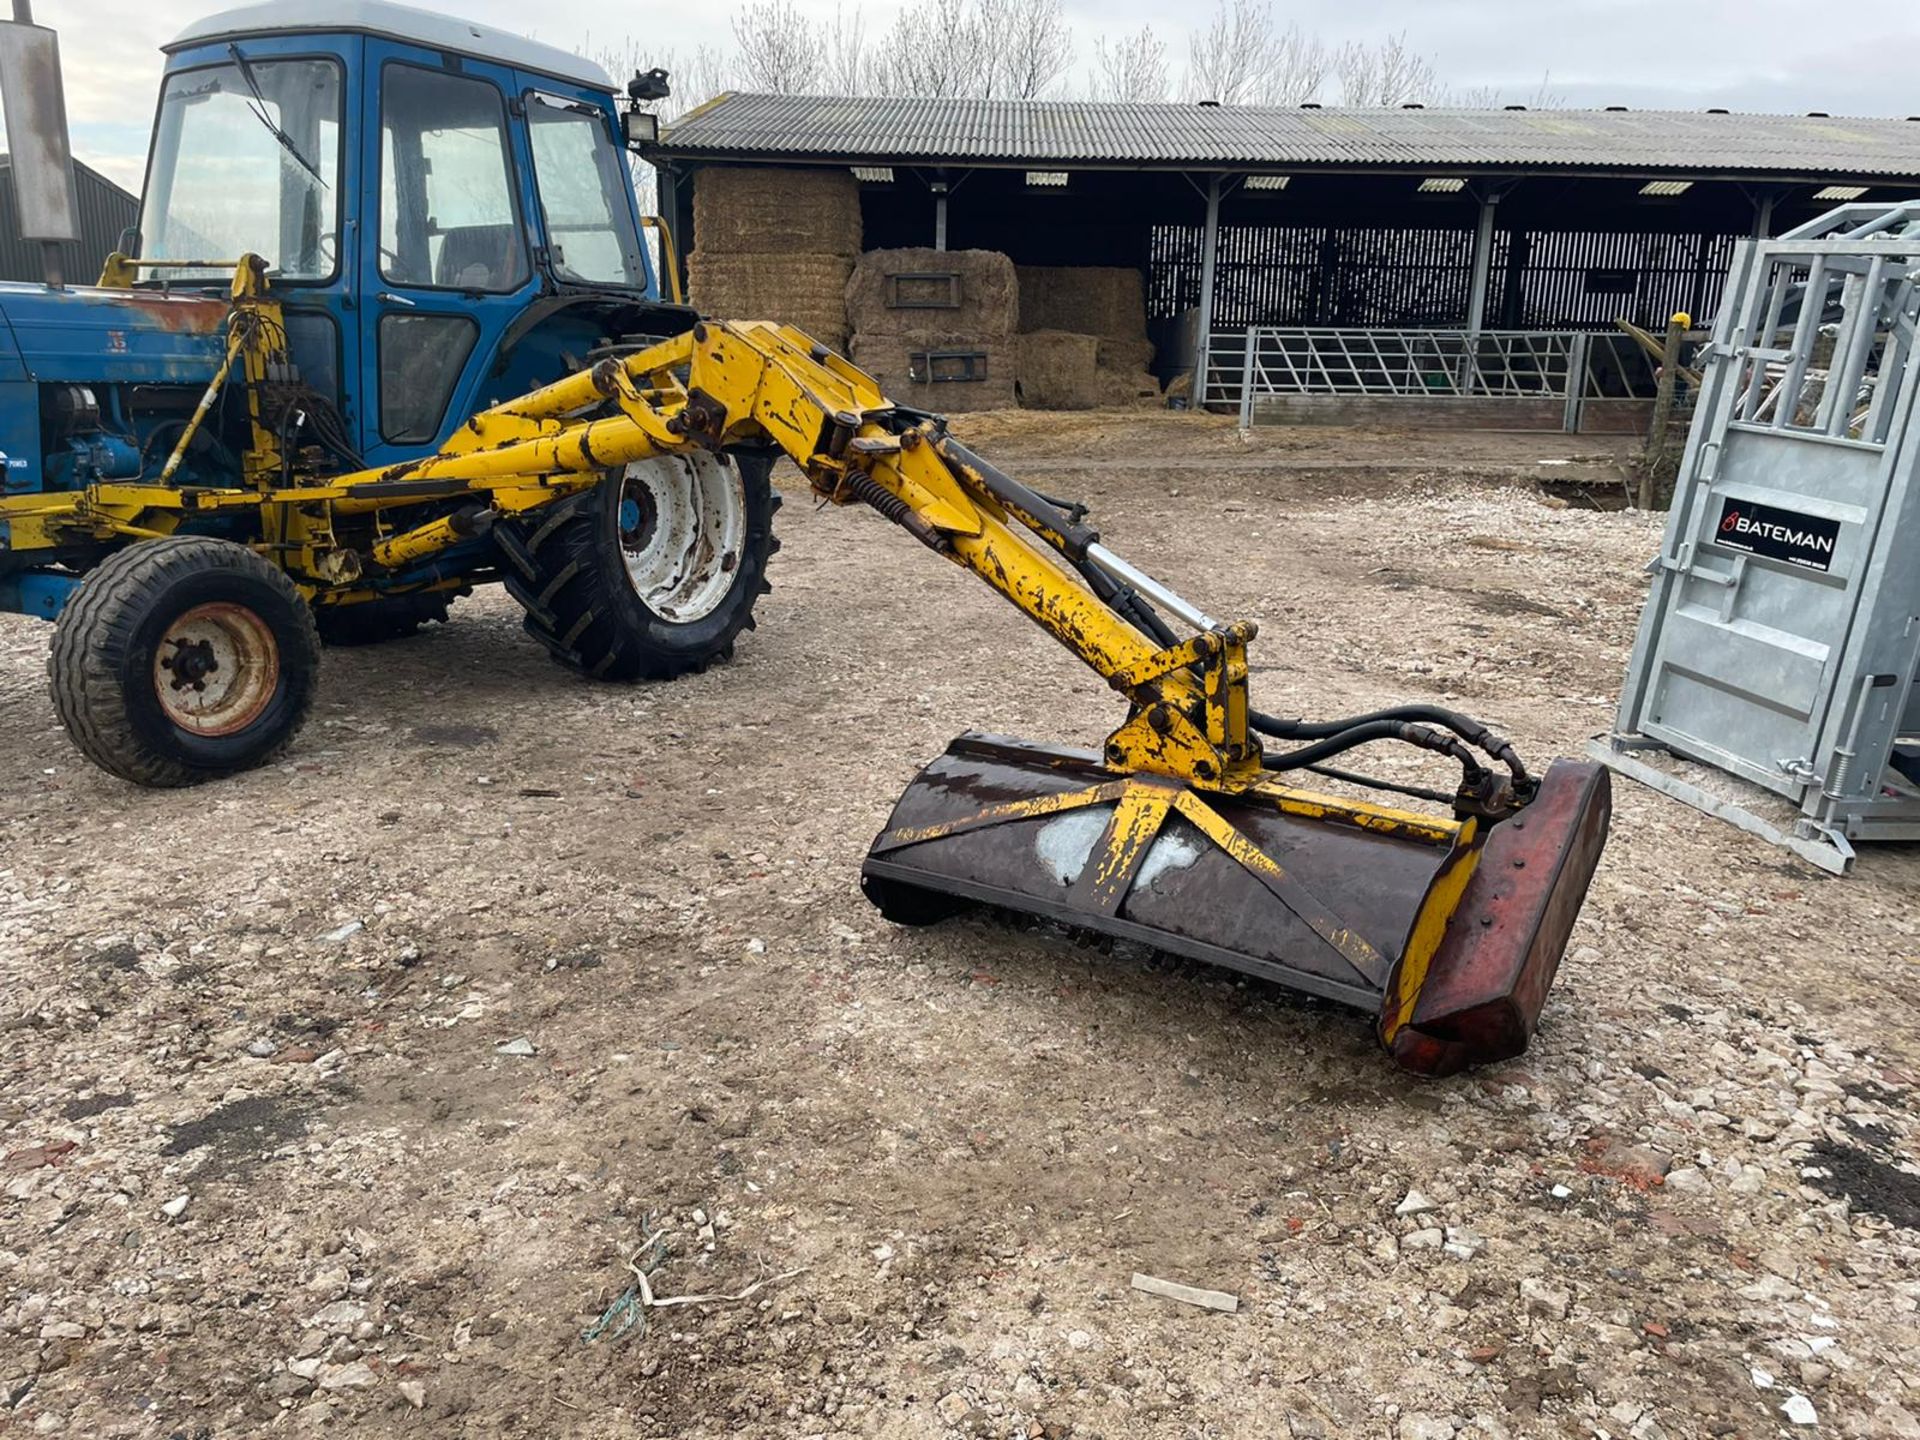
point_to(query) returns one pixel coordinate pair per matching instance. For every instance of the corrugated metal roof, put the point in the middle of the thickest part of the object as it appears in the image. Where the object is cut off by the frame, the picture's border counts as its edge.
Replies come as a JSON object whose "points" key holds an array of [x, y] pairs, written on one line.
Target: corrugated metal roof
{"points": [[809, 127]]}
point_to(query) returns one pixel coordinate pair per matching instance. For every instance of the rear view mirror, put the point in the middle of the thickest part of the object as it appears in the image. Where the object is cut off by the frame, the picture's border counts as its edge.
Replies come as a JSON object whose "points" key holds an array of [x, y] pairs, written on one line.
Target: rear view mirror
{"points": [[36, 115]]}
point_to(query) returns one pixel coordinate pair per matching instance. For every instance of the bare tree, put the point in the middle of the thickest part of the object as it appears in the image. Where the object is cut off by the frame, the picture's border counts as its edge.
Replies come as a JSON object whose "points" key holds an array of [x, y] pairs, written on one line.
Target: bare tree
{"points": [[1243, 58], [1030, 45], [777, 48], [1388, 73], [931, 50], [845, 64], [994, 49], [1491, 97], [1023, 49], [1133, 67]]}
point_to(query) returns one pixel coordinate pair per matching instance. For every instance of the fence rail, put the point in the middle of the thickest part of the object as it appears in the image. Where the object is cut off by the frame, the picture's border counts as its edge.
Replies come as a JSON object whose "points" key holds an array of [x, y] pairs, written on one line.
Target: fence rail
{"points": [[1572, 366]]}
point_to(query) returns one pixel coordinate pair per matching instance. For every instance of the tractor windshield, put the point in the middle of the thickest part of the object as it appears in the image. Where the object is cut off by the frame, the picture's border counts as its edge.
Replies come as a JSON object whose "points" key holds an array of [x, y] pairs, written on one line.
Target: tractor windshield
{"points": [[246, 159]]}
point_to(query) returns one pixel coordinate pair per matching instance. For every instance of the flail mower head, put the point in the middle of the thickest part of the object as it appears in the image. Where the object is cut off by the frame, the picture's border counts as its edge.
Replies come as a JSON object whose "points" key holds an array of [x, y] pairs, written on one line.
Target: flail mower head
{"points": [[1449, 933]]}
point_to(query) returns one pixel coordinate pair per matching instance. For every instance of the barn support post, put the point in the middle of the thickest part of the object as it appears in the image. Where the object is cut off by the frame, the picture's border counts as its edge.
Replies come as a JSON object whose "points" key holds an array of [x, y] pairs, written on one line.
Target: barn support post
{"points": [[1478, 286], [1209, 258], [940, 214]]}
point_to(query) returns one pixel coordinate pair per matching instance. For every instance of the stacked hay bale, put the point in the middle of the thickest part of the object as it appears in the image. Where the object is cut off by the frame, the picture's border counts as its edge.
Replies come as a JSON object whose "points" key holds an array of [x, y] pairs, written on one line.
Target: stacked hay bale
{"points": [[1059, 370], [1062, 307], [775, 244], [920, 313]]}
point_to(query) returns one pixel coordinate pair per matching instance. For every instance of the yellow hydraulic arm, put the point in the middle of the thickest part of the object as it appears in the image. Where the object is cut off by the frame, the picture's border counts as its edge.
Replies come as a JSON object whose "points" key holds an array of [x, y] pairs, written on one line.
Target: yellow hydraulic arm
{"points": [[734, 384], [755, 383]]}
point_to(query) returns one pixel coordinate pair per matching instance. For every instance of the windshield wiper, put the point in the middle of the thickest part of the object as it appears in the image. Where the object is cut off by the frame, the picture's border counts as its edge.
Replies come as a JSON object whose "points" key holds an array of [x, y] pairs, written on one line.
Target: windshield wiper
{"points": [[259, 108]]}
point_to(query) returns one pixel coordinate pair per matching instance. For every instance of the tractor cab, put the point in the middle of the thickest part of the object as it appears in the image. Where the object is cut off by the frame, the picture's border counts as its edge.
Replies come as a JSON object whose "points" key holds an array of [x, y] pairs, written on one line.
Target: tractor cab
{"points": [[445, 209]]}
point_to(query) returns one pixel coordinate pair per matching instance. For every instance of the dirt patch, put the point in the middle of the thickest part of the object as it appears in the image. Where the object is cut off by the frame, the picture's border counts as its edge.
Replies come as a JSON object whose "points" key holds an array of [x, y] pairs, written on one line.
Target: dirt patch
{"points": [[458, 737], [1868, 1182], [233, 1132]]}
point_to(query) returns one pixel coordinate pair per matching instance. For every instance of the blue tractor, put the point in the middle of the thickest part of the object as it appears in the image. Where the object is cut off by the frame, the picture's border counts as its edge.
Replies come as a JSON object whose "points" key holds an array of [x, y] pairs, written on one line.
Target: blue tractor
{"points": [[363, 224]]}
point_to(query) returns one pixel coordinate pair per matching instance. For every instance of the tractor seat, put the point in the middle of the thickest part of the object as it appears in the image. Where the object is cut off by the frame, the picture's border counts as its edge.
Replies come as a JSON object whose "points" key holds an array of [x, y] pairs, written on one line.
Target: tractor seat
{"points": [[478, 257]]}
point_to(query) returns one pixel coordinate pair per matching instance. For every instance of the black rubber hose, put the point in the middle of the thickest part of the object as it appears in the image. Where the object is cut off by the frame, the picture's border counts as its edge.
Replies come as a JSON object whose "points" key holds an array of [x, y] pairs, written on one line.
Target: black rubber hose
{"points": [[1133, 607], [1367, 734], [1374, 782], [1467, 728], [1137, 611]]}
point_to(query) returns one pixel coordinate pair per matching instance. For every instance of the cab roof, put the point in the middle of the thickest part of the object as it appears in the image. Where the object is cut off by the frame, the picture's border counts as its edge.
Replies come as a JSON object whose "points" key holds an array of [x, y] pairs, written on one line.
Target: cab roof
{"points": [[395, 22]]}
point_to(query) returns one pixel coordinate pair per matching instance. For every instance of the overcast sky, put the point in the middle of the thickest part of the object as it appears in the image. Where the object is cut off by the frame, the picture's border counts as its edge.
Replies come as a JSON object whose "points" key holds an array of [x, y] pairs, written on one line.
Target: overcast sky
{"points": [[1754, 55]]}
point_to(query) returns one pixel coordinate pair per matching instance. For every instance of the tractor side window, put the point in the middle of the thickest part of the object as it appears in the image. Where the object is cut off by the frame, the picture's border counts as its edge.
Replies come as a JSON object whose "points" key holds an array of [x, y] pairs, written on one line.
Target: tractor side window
{"points": [[583, 191], [421, 357], [447, 218]]}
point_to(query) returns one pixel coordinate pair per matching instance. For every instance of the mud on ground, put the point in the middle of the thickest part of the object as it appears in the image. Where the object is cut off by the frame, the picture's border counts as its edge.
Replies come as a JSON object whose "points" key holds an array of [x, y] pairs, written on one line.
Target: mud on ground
{"points": [[272, 1164]]}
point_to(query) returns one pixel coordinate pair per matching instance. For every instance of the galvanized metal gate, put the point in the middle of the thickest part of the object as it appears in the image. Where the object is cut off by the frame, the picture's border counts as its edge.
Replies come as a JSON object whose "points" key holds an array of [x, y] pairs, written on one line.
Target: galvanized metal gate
{"points": [[1246, 368], [1782, 637]]}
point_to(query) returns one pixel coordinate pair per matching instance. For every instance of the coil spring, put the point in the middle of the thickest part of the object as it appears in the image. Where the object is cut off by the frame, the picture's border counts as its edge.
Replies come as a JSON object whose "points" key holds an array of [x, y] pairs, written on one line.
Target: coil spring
{"points": [[891, 506]]}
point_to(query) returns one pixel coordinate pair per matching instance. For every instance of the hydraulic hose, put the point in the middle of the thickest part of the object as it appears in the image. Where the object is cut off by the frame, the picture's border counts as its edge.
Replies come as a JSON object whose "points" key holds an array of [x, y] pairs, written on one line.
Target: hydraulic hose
{"points": [[1374, 782], [1407, 723], [1467, 728], [1367, 733]]}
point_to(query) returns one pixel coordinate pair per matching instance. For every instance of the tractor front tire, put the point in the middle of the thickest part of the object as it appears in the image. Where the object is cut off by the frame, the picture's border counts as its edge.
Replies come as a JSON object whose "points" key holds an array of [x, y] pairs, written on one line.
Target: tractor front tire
{"points": [[374, 622], [651, 574], [182, 660]]}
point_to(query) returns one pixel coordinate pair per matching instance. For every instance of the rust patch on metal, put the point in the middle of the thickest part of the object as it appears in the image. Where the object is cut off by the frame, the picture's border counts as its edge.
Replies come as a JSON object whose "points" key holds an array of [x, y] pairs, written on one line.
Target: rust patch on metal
{"points": [[181, 314]]}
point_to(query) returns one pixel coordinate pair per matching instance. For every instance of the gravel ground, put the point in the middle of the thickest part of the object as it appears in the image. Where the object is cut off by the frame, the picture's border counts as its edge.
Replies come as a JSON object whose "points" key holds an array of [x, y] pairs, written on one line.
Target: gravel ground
{"points": [[339, 1097]]}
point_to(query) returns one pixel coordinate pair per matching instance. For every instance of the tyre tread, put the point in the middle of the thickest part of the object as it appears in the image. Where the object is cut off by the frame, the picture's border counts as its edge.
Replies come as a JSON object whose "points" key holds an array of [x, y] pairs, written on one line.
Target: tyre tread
{"points": [[563, 587], [96, 628]]}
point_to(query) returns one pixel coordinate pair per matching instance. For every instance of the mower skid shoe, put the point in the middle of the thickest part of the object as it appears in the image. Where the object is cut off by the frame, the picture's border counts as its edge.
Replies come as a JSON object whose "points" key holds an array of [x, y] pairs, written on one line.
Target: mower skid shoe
{"points": [[1488, 978], [1319, 906]]}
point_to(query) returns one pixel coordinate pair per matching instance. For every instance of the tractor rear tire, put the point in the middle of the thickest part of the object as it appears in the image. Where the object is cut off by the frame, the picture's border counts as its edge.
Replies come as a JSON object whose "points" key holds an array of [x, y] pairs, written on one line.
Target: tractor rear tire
{"points": [[182, 660], [651, 574], [374, 622]]}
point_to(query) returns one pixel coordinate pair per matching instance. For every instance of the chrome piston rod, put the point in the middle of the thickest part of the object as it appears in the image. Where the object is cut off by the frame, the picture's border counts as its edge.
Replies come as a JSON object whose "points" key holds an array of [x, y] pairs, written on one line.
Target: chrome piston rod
{"points": [[1117, 569]]}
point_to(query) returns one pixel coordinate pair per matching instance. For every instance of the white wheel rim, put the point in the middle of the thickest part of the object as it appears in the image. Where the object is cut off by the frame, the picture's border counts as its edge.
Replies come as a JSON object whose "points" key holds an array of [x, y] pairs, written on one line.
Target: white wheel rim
{"points": [[216, 669], [683, 526]]}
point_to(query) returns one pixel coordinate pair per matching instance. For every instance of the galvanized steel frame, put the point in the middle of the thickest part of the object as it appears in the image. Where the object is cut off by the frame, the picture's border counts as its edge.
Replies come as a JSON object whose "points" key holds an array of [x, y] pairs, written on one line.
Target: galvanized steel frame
{"points": [[1765, 377], [1264, 362]]}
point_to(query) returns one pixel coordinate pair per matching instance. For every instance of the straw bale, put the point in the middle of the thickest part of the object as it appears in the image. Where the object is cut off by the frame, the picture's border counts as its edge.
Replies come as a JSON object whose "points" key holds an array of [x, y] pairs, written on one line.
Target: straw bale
{"points": [[804, 290], [1128, 355], [762, 210], [1124, 390], [1104, 300], [1059, 370], [989, 298], [887, 359]]}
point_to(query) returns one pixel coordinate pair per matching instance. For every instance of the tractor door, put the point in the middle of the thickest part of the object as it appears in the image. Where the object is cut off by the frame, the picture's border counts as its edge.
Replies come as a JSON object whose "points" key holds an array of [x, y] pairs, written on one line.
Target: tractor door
{"points": [[449, 256]]}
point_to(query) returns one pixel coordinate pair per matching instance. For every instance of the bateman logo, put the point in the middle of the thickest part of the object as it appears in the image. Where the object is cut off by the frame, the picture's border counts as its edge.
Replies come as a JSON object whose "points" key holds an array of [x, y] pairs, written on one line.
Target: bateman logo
{"points": [[1807, 540], [1737, 524]]}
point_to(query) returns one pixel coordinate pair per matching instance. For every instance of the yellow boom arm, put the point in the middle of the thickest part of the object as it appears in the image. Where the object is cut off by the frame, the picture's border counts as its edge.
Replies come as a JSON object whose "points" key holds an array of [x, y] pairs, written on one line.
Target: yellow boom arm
{"points": [[755, 383]]}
